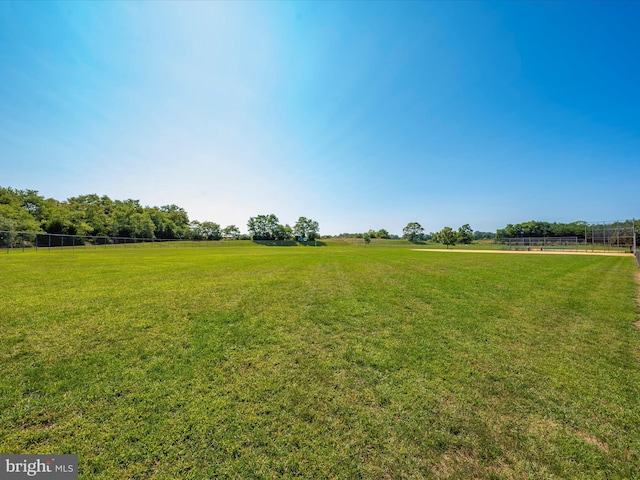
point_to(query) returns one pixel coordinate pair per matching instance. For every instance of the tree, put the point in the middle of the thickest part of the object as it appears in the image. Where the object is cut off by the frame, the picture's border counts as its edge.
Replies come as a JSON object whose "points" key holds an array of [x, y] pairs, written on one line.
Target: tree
{"points": [[141, 225], [382, 233], [170, 221], [17, 220], [264, 227], [20, 210], [306, 229], [178, 217], [58, 218], [446, 236], [413, 232], [478, 235], [92, 211], [284, 232], [121, 220], [465, 234], [367, 239], [211, 230], [231, 232], [195, 230]]}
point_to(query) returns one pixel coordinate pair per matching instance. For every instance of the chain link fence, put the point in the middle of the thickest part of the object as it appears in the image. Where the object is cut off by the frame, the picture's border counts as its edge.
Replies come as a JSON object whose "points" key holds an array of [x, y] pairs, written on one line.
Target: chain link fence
{"points": [[598, 237], [23, 241], [612, 236], [540, 243], [30, 240]]}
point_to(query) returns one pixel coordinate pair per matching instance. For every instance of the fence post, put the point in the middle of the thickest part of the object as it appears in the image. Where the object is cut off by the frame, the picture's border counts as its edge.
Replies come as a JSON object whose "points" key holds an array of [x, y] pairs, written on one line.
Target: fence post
{"points": [[635, 251]]}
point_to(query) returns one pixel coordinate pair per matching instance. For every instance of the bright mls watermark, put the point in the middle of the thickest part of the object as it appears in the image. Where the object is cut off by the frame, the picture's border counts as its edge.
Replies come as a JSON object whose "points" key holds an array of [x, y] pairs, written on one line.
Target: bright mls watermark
{"points": [[49, 467]]}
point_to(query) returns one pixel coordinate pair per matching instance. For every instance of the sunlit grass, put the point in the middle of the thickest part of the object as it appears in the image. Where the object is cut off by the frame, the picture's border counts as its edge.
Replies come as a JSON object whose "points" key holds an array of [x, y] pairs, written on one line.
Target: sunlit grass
{"points": [[321, 363]]}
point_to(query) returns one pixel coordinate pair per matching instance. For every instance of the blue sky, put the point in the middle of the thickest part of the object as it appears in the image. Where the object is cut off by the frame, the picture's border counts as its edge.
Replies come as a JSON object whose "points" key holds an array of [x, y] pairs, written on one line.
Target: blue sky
{"points": [[357, 114]]}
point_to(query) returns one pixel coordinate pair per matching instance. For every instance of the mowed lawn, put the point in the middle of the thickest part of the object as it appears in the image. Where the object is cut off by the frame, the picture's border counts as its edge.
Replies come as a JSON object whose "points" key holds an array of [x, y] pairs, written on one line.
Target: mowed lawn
{"points": [[327, 362]]}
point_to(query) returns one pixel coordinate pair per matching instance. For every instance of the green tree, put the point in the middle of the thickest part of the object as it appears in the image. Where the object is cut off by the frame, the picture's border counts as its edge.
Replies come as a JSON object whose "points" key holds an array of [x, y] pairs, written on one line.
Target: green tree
{"points": [[264, 227], [465, 234], [179, 219], [171, 221], [446, 236], [141, 225], [284, 232], [382, 233], [478, 235], [413, 232], [204, 231], [195, 230], [59, 218], [20, 210], [211, 231], [306, 229], [17, 220], [121, 220], [92, 213], [231, 232]]}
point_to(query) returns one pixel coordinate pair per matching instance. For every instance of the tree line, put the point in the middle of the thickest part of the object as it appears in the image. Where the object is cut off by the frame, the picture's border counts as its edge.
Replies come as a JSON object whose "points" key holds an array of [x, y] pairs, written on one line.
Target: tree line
{"points": [[414, 232], [28, 211], [94, 215], [268, 227], [535, 228]]}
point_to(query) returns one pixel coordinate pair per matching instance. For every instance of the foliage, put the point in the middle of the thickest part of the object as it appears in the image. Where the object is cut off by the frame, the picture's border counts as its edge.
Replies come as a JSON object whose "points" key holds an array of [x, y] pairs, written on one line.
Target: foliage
{"points": [[205, 231], [18, 210], [264, 227], [446, 236], [17, 219], [231, 232], [26, 210], [211, 231], [306, 229], [93, 213], [465, 234], [382, 233], [478, 235], [413, 232], [542, 229], [171, 222]]}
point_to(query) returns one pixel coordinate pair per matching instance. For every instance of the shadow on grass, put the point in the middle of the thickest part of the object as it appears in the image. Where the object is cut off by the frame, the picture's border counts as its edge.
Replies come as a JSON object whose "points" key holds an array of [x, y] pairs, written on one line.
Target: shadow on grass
{"points": [[289, 243]]}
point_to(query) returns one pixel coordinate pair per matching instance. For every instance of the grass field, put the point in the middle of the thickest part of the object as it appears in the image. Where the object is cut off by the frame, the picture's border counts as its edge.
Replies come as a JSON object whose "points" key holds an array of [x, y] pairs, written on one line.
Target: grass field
{"points": [[267, 362]]}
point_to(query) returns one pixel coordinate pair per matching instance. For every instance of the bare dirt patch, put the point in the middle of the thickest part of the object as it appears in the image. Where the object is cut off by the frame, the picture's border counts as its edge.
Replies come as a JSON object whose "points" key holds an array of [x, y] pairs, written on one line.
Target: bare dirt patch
{"points": [[591, 440]]}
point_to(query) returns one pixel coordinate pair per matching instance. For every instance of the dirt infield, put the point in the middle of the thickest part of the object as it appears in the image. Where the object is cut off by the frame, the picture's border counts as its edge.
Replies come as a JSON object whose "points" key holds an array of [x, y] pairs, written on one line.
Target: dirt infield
{"points": [[538, 252]]}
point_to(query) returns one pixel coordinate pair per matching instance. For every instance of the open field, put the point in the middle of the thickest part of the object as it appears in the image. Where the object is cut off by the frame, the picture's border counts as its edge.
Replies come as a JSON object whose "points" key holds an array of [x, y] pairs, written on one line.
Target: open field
{"points": [[273, 362]]}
